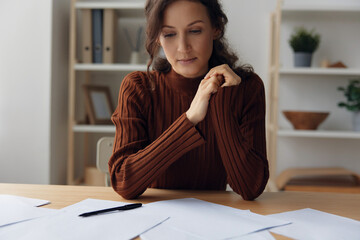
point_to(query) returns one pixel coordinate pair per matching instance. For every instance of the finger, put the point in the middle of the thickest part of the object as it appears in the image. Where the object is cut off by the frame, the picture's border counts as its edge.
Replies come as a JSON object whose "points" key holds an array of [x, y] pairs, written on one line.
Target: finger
{"points": [[231, 83], [212, 84], [214, 71], [223, 70], [214, 78]]}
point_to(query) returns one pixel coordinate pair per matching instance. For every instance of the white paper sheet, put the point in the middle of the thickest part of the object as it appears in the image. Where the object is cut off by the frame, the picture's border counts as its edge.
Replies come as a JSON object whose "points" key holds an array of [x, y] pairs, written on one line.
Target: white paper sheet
{"points": [[207, 220], [29, 201], [66, 224], [313, 224], [166, 232], [14, 209], [262, 235]]}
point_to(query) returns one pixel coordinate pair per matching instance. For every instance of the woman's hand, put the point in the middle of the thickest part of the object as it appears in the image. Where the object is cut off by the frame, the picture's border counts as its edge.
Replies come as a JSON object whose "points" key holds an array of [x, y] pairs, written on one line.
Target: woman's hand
{"points": [[200, 103], [230, 78], [219, 76]]}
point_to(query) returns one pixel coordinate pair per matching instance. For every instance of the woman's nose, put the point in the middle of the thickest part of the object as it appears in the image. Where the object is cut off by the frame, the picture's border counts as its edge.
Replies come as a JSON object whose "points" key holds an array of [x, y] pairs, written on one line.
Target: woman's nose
{"points": [[183, 44]]}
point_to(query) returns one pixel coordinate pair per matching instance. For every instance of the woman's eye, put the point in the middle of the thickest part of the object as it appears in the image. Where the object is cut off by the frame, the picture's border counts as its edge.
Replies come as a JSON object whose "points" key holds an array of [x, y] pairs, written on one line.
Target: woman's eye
{"points": [[195, 31], [168, 35]]}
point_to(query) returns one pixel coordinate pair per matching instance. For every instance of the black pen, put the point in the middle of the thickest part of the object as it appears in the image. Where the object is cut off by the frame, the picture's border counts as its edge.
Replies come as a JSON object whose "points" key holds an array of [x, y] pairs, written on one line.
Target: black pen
{"points": [[121, 208]]}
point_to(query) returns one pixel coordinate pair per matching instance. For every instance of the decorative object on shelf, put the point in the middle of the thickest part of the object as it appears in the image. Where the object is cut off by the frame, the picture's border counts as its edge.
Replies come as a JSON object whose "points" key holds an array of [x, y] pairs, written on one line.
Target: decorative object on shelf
{"points": [[98, 104], [135, 50], [337, 65], [326, 64], [304, 43], [352, 94], [305, 120]]}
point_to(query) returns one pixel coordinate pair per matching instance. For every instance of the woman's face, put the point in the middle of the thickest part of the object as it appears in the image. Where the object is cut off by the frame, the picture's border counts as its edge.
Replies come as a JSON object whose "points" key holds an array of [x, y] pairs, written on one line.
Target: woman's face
{"points": [[187, 38]]}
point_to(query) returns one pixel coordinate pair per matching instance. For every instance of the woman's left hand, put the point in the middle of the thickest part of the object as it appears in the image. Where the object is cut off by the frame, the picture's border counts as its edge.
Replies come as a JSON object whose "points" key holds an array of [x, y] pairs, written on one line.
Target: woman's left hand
{"points": [[230, 78]]}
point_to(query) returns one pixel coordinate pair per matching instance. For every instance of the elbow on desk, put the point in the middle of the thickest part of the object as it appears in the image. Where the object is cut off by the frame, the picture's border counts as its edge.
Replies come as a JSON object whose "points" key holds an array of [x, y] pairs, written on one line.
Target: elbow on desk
{"points": [[249, 196], [254, 190], [125, 190]]}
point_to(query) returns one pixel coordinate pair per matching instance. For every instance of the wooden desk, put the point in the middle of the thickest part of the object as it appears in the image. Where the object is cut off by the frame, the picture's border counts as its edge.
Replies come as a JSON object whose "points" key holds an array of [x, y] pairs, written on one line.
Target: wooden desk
{"points": [[346, 205]]}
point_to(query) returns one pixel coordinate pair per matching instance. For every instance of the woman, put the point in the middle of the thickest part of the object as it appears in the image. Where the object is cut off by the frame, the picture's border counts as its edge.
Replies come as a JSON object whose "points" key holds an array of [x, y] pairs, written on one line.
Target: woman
{"points": [[196, 121]]}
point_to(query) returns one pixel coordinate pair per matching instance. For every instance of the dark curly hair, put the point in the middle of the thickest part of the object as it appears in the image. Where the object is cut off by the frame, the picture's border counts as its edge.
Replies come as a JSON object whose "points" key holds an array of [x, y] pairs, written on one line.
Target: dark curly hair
{"points": [[221, 54]]}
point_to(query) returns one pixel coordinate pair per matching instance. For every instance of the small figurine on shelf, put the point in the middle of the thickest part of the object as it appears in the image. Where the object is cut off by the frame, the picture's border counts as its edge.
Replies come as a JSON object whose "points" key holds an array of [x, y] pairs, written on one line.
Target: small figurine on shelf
{"points": [[352, 93], [339, 64], [304, 43], [326, 64], [135, 53]]}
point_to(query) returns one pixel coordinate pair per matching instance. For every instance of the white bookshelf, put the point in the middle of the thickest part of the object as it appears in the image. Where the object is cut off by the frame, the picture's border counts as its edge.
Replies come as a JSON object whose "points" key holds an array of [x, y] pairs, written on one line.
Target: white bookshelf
{"points": [[110, 67], [319, 134], [312, 8], [313, 88], [321, 71], [85, 128], [129, 14], [124, 5]]}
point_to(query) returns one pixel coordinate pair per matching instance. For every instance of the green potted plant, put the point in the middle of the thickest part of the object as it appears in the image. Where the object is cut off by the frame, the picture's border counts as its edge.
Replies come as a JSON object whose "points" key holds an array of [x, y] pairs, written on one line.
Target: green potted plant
{"points": [[304, 43], [352, 94]]}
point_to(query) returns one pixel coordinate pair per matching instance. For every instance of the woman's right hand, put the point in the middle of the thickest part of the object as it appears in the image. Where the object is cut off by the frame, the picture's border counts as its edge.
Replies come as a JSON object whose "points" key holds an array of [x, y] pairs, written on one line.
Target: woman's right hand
{"points": [[199, 105]]}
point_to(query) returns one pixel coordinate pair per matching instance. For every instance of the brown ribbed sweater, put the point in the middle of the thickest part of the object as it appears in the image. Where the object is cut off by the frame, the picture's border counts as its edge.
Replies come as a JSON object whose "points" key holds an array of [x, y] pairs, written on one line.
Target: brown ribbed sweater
{"points": [[157, 146]]}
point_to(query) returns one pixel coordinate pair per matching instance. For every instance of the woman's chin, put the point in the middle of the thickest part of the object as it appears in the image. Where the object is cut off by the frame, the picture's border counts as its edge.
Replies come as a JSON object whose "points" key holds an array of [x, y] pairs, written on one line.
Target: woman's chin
{"points": [[190, 73]]}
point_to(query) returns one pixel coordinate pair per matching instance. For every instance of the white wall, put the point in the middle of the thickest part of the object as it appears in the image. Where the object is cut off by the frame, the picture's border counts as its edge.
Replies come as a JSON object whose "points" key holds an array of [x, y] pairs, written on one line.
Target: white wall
{"points": [[59, 91], [27, 107], [248, 31], [25, 60]]}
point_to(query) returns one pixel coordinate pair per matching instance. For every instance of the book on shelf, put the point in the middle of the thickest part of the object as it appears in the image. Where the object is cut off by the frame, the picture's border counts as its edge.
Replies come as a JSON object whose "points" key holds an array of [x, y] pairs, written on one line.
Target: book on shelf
{"points": [[86, 30], [97, 34], [109, 25]]}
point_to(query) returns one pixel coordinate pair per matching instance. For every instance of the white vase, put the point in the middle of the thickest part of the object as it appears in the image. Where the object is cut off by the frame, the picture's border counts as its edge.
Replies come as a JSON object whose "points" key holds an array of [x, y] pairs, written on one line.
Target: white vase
{"points": [[135, 57], [356, 121]]}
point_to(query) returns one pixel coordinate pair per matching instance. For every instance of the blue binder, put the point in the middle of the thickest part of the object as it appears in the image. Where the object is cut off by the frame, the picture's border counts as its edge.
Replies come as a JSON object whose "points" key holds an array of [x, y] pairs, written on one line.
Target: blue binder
{"points": [[97, 25]]}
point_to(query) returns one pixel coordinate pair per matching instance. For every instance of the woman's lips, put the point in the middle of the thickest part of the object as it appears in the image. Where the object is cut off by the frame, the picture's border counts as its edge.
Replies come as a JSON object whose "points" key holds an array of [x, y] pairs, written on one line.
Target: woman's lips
{"points": [[187, 60]]}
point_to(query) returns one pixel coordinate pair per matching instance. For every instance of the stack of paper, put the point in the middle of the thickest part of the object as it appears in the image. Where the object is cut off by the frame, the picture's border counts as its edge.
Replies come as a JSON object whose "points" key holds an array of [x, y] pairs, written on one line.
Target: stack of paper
{"points": [[16, 209], [312, 224], [179, 219], [197, 219], [67, 224]]}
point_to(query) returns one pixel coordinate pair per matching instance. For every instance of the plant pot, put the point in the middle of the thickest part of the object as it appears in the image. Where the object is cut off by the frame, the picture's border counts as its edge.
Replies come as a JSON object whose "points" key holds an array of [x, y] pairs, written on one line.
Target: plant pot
{"points": [[356, 121], [302, 59]]}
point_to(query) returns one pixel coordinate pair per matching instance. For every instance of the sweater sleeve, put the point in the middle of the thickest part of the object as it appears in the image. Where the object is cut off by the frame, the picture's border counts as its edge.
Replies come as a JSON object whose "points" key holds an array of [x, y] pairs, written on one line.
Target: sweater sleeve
{"points": [[238, 115], [136, 162]]}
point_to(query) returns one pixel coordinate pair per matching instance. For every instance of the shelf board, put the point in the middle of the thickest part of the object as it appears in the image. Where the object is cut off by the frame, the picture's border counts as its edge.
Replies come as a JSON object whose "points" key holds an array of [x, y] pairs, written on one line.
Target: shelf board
{"points": [[320, 71], [320, 8], [110, 67], [86, 128], [319, 134], [110, 4]]}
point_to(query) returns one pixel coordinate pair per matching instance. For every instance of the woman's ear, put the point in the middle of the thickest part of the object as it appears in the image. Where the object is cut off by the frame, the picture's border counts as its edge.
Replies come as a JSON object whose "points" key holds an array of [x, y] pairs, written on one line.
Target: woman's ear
{"points": [[158, 41], [216, 33]]}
